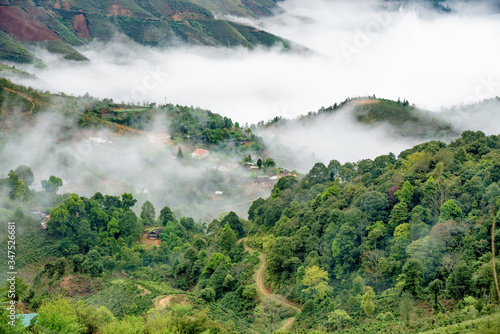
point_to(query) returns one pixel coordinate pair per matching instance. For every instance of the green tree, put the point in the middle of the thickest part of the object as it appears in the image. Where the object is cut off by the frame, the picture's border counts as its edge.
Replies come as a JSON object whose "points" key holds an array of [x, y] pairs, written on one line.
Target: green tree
{"points": [[148, 212], [374, 204], [376, 232], [75, 205], [52, 184], [259, 163], [234, 222], [435, 287], [459, 283], [180, 155], [367, 302], [127, 325], [267, 314], [334, 168], [58, 222], [399, 214], [418, 226], [217, 279], [128, 200], [450, 210], [316, 281], [91, 317], [358, 285], [405, 194], [406, 305], [338, 317], [93, 264], [166, 215], [213, 263], [207, 294], [129, 226], [58, 315], [113, 227], [25, 174], [318, 174], [84, 235], [19, 191], [227, 238], [414, 277]]}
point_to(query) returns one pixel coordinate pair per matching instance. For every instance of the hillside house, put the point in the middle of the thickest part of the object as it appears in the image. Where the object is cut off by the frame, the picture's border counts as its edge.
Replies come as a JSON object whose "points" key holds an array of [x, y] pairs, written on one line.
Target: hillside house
{"points": [[199, 153], [155, 234], [159, 138], [263, 180]]}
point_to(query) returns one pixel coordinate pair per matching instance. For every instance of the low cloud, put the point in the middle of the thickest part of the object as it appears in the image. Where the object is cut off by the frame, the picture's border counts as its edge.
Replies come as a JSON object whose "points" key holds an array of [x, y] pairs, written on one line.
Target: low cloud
{"points": [[432, 59], [300, 144], [98, 160], [356, 48]]}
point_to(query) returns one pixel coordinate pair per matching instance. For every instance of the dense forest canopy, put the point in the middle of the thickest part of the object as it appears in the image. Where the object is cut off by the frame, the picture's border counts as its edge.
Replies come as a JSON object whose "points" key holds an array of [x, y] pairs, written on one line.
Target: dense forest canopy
{"points": [[392, 242]]}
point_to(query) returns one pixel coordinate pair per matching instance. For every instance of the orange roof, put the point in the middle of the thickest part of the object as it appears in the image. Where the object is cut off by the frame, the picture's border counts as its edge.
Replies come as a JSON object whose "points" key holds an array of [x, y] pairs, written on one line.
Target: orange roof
{"points": [[200, 151]]}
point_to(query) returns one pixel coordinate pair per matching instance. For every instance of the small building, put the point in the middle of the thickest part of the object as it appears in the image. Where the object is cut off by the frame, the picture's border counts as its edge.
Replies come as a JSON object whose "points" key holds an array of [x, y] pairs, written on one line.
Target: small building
{"points": [[262, 179], [199, 153], [254, 168], [159, 138], [97, 140], [155, 234], [218, 193]]}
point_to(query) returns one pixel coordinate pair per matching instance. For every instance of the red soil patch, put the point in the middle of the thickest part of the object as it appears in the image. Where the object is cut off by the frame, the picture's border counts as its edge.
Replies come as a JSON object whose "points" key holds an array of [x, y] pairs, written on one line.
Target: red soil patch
{"points": [[171, 299], [80, 26], [79, 285], [66, 5], [144, 290], [176, 17], [117, 10], [149, 243], [364, 102], [24, 27]]}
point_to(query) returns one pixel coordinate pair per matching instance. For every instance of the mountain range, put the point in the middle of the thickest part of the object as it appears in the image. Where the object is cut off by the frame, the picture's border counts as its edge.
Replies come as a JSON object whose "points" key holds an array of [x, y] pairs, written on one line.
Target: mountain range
{"points": [[60, 25]]}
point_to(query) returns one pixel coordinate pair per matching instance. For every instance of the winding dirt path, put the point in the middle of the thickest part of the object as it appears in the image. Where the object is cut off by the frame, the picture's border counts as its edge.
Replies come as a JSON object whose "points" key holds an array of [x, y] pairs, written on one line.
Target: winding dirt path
{"points": [[162, 303], [26, 97], [265, 291]]}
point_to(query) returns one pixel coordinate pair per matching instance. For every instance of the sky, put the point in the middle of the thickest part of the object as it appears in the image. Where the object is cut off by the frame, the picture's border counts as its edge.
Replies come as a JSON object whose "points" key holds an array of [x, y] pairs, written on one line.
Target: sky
{"points": [[356, 48]]}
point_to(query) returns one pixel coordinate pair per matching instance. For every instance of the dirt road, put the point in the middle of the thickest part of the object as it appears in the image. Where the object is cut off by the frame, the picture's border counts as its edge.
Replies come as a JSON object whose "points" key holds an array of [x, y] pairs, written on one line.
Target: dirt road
{"points": [[265, 291]]}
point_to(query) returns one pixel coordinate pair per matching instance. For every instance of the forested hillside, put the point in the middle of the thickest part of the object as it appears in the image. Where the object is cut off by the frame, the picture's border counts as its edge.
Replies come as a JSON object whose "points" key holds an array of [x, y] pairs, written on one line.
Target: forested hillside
{"points": [[400, 244], [59, 25], [393, 238], [400, 118]]}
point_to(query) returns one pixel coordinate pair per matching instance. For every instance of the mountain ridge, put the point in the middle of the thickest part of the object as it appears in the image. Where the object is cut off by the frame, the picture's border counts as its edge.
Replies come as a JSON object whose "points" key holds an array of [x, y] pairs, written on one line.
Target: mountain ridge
{"points": [[148, 22]]}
